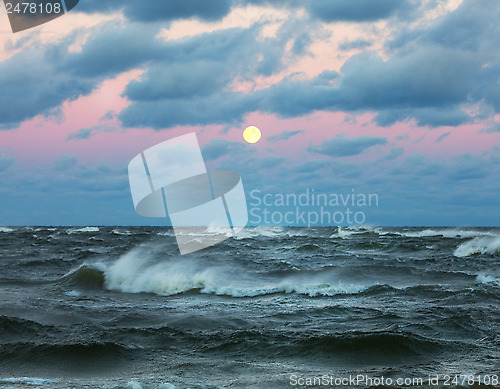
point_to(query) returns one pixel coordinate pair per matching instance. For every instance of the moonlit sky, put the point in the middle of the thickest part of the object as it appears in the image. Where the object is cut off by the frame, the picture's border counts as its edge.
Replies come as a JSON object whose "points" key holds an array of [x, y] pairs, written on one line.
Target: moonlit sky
{"points": [[395, 97]]}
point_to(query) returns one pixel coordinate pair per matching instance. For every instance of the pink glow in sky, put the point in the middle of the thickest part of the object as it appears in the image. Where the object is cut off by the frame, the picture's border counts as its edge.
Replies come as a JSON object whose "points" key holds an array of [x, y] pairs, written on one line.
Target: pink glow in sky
{"points": [[41, 140]]}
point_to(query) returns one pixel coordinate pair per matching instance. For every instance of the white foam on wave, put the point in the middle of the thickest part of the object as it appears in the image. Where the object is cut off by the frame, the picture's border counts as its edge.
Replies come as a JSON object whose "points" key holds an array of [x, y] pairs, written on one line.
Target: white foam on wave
{"points": [[445, 233], [488, 279], [344, 234], [480, 245], [137, 385], [119, 232], [289, 286], [133, 385], [347, 232], [136, 272], [266, 231], [165, 233], [83, 229], [28, 381], [6, 229], [51, 229]]}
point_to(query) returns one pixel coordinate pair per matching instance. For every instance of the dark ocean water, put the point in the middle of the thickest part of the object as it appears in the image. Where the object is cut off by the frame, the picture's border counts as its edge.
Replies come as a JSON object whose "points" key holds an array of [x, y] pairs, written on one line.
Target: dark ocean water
{"points": [[118, 307]]}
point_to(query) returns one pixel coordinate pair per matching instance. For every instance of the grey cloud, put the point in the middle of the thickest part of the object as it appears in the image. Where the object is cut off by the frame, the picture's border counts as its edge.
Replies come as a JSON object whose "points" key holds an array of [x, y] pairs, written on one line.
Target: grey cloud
{"points": [[217, 148], [220, 108], [494, 128], [64, 163], [428, 76], [357, 44], [178, 81], [31, 87], [86, 133], [394, 153], [312, 166], [340, 146], [284, 135], [355, 10], [442, 136], [152, 10], [5, 162], [325, 10]]}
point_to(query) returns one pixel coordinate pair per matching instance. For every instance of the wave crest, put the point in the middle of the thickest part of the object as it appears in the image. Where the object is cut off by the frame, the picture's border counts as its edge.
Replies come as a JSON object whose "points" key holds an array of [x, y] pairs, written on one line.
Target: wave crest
{"points": [[139, 272], [478, 246]]}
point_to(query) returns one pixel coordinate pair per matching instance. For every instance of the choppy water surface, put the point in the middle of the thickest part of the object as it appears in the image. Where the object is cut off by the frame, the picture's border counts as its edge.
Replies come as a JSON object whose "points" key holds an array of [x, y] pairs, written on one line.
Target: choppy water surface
{"points": [[118, 307]]}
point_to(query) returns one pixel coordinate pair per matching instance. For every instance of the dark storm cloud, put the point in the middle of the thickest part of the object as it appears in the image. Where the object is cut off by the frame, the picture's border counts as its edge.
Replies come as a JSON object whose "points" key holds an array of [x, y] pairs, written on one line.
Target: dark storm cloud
{"points": [[343, 10], [111, 50], [325, 10], [427, 84], [340, 146], [191, 86], [214, 109], [178, 81], [428, 116], [354, 10], [29, 86], [431, 71], [429, 75], [154, 10]]}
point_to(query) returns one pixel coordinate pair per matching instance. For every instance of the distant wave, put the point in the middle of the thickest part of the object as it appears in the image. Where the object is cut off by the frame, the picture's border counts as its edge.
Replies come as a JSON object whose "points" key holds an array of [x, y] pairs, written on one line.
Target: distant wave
{"points": [[83, 229], [445, 233], [482, 245], [6, 229], [348, 232], [30, 381], [384, 344], [119, 232], [343, 233], [17, 327], [88, 353], [266, 231]]}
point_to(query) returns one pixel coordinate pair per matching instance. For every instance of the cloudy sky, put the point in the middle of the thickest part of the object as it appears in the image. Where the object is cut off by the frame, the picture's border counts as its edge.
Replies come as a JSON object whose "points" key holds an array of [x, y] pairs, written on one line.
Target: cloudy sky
{"points": [[395, 97]]}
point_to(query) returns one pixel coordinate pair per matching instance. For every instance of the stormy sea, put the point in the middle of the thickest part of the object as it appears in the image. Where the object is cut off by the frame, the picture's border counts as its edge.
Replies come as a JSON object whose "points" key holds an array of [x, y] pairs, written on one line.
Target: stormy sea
{"points": [[119, 307]]}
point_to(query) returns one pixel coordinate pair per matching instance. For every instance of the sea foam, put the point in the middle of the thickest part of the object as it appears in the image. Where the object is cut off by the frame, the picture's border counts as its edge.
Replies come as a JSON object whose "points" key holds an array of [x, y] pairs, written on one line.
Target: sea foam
{"points": [[480, 245], [138, 272], [83, 229]]}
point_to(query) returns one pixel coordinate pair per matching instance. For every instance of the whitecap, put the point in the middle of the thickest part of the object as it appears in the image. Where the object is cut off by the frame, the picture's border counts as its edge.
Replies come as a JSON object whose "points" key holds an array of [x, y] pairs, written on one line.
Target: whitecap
{"points": [[83, 229], [480, 245]]}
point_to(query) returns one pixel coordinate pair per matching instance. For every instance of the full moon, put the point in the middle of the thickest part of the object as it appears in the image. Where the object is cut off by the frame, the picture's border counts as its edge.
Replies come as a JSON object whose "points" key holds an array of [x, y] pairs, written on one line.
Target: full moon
{"points": [[251, 134]]}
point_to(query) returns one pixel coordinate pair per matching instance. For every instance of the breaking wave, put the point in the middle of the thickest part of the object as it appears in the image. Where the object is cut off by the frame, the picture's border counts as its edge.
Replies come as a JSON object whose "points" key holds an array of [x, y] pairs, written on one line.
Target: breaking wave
{"points": [[137, 272], [482, 245], [83, 229]]}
